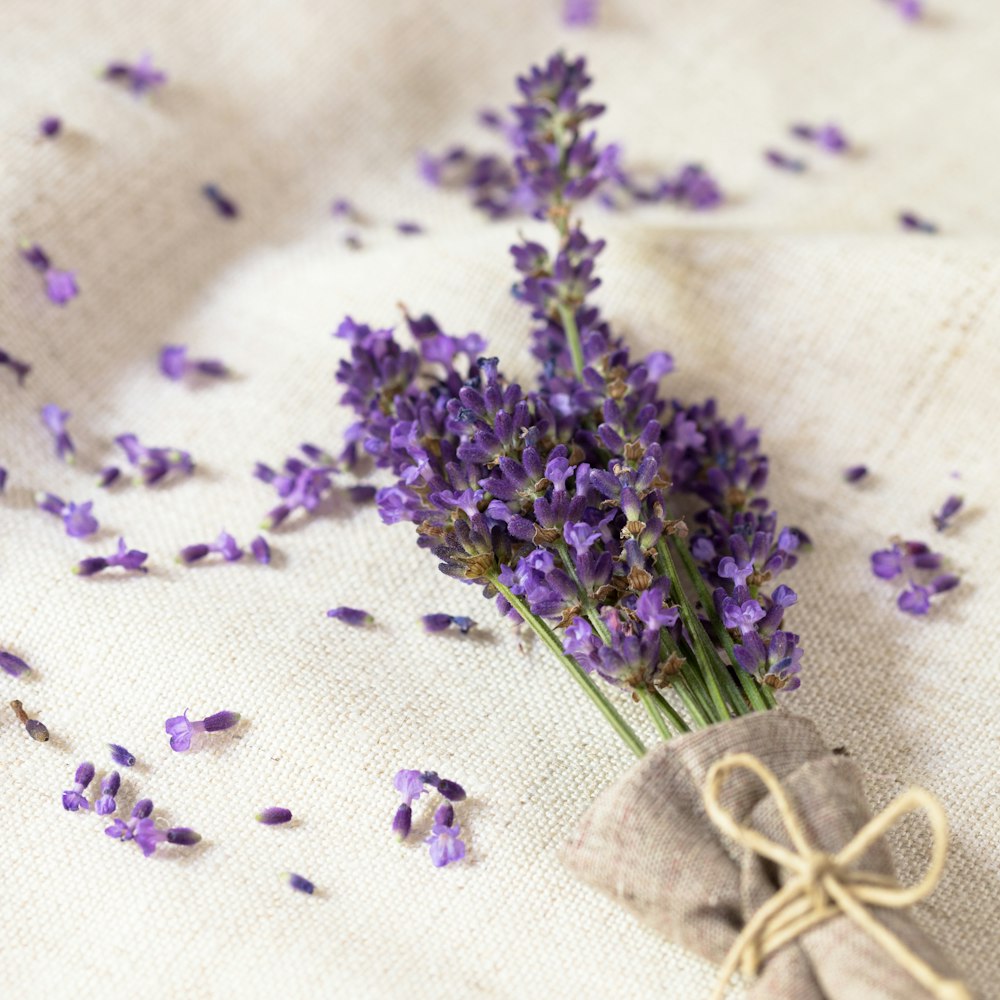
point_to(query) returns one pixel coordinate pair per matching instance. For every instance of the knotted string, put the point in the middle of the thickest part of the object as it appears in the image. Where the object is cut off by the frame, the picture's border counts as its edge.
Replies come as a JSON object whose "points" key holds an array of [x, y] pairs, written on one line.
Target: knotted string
{"points": [[822, 885]]}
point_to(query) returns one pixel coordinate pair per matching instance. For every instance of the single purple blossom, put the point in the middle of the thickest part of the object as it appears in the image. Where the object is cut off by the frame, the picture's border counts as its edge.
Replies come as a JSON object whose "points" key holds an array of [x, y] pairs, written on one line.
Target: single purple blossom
{"points": [[261, 550], [106, 804], [225, 545], [140, 77], [50, 126], [175, 364], [783, 162], [300, 883], [855, 473], [361, 493], [223, 204], [3, 479], [951, 506], [579, 13], [444, 841], [407, 228], [149, 836], [451, 790], [61, 286], [74, 799], [409, 784], [12, 665], [274, 816], [108, 475], [913, 222], [829, 137], [55, 421], [440, 622], [915, 599], [121, 756], [350, 616], [125, 829], [77, 518], [402, 821], [154, 463], [943, 582], [180, 729], [126, 558], [19, 368]]}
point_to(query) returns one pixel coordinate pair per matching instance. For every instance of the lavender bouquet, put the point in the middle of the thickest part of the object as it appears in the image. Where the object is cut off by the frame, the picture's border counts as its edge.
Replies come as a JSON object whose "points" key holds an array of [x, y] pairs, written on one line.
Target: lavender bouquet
{"points": [[629, 532]]}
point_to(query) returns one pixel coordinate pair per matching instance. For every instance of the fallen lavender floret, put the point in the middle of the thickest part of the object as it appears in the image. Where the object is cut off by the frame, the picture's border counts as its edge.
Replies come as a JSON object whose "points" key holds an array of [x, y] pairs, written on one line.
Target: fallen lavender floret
{"points": [[784, 162], [149, 836], [916, 598], [153, 464], [125, 558], [108, 475], [12, 665], [50, 126], [55, 420], [125, 829], [300, 485], [121, 756], [225, 545], [300, 884], [341, 208], [445, 841], [60, 286], [913, 222], [829, 137], [912, 560], [350, 616], [440, 622], [77, 518], [261, 550], [140, 76], [951, 506], [274, 816], [223, 204], [855, 473], [579, 13], [175, 364], [19, 368], [73, 799], [407, 228], [180, 729], [3, 479], [106, 804]]}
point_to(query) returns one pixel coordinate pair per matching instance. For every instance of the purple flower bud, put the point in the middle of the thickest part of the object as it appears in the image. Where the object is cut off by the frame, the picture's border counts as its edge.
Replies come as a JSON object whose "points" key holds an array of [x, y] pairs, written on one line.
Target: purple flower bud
{"points": [[73, 799], [913, 222], [342, 208], [142, 808], [402, 820], [148, 836], [121, 756], [108, 475], [261, 550], [183, 836], [60, 286], [220, 721], [778, 159], [855, 473], [140, 77], [361, 493], [106, 804], [350, 616], [225, 206], [55, 420], [274, 816], [50, 126], [407, 228], [579, 13], [175, 364], [12, 665], [451, 790], [180, 729], [948, 510], [946, 581], [300, 884]]}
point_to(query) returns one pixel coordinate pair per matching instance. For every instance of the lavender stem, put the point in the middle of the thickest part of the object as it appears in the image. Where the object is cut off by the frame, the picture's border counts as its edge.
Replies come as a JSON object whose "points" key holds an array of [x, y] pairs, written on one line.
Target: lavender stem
{"points": [[669, 711], [653, 712]]}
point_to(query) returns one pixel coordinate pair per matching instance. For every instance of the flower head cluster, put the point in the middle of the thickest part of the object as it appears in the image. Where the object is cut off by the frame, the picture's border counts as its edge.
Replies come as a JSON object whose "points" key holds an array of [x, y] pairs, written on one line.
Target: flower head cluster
{"points": [[175, 364], [916, 565], [60, 286], [125, 558], [77, 517], [181, 729], [444, 840]]}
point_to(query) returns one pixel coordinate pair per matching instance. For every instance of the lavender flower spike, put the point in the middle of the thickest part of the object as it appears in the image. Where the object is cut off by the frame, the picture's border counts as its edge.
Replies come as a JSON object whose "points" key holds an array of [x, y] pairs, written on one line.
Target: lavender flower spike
{"points": [[12, 665], [149, 836], [19, 368], [106, 804], [73, 799], [180, 729], [949, 509], [125, 829], [140, 77], [225, 545], [55, 420], [127, 559], [445, 845], [175, 364], [274, 816], [300, 884], [121, 756], [350, 616]]}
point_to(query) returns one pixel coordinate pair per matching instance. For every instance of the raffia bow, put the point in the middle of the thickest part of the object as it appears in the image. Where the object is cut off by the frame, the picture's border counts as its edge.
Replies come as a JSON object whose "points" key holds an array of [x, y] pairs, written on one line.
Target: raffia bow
{"points": [[823, 885]]}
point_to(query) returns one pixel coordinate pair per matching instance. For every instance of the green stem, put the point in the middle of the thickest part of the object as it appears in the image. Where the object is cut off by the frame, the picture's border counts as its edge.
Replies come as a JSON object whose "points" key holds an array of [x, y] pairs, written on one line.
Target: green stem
{"points": [[668, 710], [549, 638], [572, 338], [749, 684], [653, 712], [688, 684]]}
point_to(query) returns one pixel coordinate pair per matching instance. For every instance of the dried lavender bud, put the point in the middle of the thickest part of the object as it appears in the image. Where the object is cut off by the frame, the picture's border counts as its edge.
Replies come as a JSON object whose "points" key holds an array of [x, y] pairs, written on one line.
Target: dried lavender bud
{"points": [[783, 162], [19, 368], [913, 222], [402, 821], [121, 756], [274, 816], [36, 730], [73, 799], [951, 506], [140, 77], [106, 804], [855, 473], [55, 421], [126, 558], [261, 550], [175, 364], [224, 205], [300, 884], [12, 665], [350, 616], [181, 729], [50, 126]]}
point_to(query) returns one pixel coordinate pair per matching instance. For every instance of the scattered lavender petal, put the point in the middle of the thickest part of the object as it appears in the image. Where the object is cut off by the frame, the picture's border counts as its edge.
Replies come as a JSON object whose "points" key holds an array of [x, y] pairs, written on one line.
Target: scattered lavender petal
{"points": [[361, 493], [19, 368], [274, 816], [175, 364], [350, 616], [125, 558], [579, 13], [55, 421], [407, 228], [261, 550], [778, 159]]}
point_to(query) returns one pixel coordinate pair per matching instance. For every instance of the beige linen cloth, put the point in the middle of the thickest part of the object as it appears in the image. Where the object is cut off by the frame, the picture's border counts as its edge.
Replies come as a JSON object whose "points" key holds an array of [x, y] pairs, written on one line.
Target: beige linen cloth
{"points": [[801, 304]]}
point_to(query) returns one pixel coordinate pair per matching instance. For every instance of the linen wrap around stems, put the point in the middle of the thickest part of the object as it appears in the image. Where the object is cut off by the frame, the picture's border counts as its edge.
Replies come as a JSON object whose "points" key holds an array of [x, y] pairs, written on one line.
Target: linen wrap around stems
{"points": [[647, 842]]}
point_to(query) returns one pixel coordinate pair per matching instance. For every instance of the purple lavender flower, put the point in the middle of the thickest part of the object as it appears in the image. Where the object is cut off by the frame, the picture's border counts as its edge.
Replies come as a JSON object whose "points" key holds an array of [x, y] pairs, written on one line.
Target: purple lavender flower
{"points": [[223, 204], [913, 222], [74, 799], [261, 550], [915, 599], [121, 756], [55, 421], [12, 665], [361, 493], [910, 10], [125, 829], [350, 616], [19, 368], [445, 843], [829, 137], [175, 364], [126, 558], [180, 729], [274, 816], [407, 228], [784, 162], [579, 13], [225, 545], [301, 884], [3, 478], [149, 837], [402, 821], [409, 784], [949, 509], [106, 804], [903, 557], [108, 475], [855, 473], [77, 518], [440, 622], [61, 286], [140, 76], [153, 464], [50, 126]]}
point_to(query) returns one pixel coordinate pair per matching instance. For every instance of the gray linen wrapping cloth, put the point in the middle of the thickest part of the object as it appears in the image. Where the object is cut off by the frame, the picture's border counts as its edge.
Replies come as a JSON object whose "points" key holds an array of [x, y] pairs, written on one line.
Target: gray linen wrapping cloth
{"points": [[647, 842]]}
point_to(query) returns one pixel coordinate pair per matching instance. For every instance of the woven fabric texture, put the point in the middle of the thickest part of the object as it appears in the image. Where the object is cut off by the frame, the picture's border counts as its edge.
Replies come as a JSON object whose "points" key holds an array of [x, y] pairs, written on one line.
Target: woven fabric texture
{"points": [[800, 304]]}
